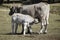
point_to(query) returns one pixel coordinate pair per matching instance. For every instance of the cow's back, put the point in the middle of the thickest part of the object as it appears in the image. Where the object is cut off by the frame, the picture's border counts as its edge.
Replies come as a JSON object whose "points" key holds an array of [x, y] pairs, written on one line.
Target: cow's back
{"points": [[29, 9]]}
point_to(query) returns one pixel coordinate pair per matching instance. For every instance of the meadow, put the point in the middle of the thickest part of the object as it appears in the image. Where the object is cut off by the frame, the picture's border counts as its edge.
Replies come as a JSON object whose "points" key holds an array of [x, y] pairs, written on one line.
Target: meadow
{"points": [[53, 27]]}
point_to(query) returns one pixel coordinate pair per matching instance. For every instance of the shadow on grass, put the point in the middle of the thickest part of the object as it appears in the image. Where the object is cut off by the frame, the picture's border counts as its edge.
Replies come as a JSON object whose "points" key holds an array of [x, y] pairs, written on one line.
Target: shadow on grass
{"points": [[33, 33], [10, 33], [58, 20]]}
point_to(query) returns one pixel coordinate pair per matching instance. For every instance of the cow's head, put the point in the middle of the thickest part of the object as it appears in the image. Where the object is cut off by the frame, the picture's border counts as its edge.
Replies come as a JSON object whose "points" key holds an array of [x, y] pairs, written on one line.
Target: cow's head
{"points": [[14, 9]]}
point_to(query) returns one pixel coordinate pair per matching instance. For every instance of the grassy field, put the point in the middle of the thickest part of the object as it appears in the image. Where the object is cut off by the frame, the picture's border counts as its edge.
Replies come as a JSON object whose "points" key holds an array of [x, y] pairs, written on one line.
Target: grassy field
{"points": [[5, 28]]}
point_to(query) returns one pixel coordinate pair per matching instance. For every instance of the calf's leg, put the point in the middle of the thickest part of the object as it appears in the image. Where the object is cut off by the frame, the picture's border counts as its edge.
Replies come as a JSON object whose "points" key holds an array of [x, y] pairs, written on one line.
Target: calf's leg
{"points": [[29, 29], [25, 28], [16, 27], [13, 27]]}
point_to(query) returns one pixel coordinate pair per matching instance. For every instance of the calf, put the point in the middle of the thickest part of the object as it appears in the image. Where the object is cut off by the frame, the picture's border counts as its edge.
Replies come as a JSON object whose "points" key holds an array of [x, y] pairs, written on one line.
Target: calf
{"points": [[25, 20]]}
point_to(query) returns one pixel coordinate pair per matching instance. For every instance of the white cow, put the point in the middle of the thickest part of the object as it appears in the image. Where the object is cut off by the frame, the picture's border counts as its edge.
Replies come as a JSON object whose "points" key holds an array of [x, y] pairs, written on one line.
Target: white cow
{"points": [[40, 11], [43, 10]]}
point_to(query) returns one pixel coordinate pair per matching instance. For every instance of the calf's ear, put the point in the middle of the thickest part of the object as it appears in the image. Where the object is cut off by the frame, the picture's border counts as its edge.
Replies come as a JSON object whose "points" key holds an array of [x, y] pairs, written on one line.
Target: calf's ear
{"points": [[10, 12]]}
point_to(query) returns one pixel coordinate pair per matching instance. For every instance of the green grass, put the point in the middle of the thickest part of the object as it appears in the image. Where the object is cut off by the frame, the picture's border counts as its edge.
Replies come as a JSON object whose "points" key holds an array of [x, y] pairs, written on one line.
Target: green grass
{"points": [[53, 29]]}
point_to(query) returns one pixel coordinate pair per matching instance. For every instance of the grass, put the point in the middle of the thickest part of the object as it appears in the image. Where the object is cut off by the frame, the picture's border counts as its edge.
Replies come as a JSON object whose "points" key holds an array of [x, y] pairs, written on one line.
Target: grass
{"points": [[55, 8], [5, 29]]}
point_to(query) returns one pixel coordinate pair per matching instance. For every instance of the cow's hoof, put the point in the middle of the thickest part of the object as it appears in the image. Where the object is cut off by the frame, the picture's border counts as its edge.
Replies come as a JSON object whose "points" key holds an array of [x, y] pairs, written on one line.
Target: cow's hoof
{"points": [[42, 32]]}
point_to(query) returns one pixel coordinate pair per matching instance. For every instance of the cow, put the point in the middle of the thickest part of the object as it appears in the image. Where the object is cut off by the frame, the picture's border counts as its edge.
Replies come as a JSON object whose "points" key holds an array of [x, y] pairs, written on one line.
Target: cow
{"points": [[42, 10], [39, 11]]}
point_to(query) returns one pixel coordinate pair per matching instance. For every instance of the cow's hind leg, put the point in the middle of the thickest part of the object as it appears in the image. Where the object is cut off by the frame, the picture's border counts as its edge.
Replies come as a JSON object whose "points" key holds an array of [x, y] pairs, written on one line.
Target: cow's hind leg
{"points": [[43, 25], [45, 31], [46, 23]]}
